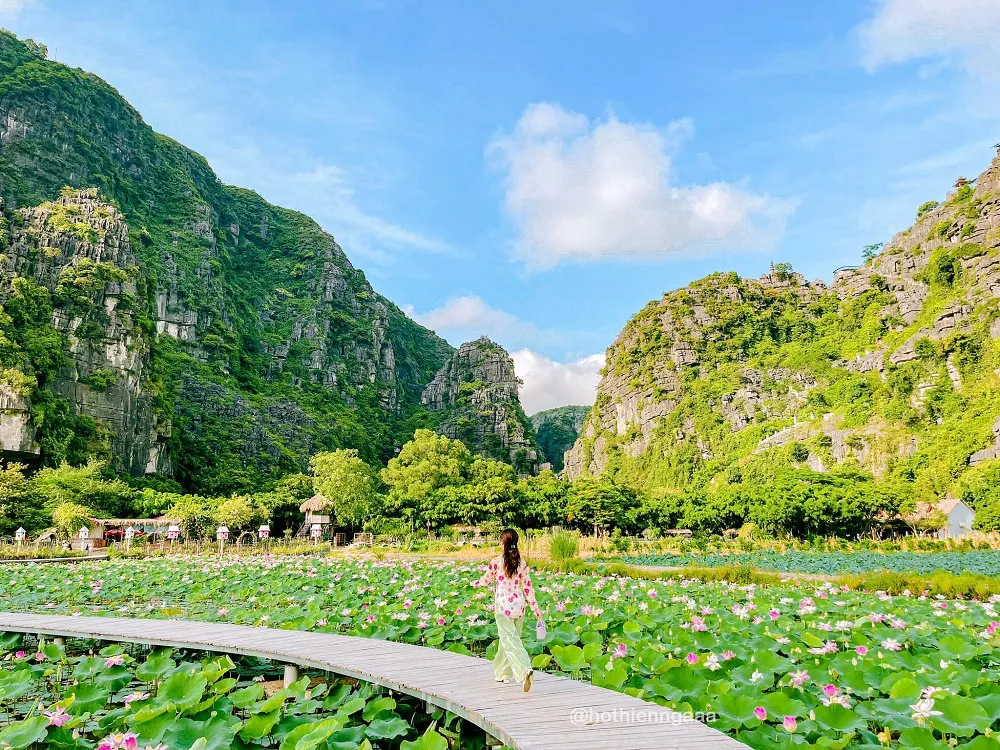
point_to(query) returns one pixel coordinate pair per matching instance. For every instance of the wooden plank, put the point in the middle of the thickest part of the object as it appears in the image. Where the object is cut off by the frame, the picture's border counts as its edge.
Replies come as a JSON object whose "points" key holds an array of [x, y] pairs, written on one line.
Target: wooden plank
{"points": [[557, 714]]}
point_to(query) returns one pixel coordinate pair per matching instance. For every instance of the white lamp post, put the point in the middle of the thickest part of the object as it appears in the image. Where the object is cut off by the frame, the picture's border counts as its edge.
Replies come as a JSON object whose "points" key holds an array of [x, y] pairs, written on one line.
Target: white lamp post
{"points": [[129, 533], [222, 534], [84, 536], [20, 535], [173, 531]]}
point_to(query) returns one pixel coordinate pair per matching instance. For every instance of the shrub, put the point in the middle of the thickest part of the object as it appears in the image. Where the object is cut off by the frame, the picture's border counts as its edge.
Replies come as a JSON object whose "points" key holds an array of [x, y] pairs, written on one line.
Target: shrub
{"points": [[799, 453], [926, 207], [563, 546]]}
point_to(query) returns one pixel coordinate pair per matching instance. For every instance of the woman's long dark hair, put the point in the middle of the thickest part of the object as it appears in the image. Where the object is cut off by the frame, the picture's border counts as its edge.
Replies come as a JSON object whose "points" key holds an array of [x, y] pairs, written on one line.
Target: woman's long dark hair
{"points": [[511, 556]]}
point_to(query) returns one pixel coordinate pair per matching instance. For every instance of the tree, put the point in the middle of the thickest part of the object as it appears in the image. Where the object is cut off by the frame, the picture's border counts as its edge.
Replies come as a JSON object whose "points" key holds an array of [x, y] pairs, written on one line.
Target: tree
{"points": [[871, 251], [598, 502], [541, 500], [84, 485], [418, 476], [347, 482], [235, 513], [19, 506], [783, 271], [69, 518], [195, 514]]}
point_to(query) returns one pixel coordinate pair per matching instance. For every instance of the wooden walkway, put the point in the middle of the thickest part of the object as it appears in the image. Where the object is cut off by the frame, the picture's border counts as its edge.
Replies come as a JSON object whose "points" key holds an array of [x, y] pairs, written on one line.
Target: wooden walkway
{"points": [[558, 713]]}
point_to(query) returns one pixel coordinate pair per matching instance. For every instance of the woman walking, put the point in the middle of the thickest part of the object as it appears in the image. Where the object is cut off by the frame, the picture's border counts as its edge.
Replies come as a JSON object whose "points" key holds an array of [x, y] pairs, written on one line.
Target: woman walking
{"points": [[513, 588]]}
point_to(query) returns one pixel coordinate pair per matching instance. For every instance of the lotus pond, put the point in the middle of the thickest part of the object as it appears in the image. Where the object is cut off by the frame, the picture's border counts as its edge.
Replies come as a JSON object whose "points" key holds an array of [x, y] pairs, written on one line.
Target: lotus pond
{"points": [[983, 562], [130, 697], [781, 667]]}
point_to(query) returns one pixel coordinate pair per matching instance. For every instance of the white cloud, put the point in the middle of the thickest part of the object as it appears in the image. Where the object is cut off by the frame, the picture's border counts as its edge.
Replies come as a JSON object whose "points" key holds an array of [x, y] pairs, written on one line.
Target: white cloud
{"points": [[548, 384], [960, 31], [13, 7], [466, 318], [328, 187], [325, 192], [582, 190]]}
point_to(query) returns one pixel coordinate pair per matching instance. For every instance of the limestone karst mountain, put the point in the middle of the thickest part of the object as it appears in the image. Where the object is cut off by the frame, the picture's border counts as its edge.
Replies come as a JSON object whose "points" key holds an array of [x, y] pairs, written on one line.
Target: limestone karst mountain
{"points": [[891, 370], [477, 392], [153, 316], [557, 430]]}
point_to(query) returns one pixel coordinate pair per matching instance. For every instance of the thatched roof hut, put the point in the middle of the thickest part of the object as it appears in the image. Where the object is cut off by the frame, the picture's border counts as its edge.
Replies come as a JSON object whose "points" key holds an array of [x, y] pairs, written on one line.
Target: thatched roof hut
{"points": [[316, 504]]}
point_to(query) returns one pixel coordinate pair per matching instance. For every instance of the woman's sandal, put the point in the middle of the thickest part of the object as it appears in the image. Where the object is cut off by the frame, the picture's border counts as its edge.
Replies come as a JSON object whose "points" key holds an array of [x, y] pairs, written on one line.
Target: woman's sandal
{"points": [[527, 680]]}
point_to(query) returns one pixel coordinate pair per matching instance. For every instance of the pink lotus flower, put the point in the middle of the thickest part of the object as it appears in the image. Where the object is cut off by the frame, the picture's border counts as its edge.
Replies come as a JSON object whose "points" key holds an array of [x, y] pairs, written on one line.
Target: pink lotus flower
{"points": [[727, 655], [760, 712], [119, 741], [621, 650], [798, 678], [861, 650], [440, 621], [774, 614], [20, 654], [114, 661], [790, 724], [830, 690], [692, 658], [58, 717], [136, 696]]}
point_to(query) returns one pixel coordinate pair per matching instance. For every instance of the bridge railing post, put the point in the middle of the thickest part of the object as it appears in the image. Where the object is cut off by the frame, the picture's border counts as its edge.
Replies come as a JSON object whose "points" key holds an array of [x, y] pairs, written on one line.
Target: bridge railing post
{"points": [[291, 675]]}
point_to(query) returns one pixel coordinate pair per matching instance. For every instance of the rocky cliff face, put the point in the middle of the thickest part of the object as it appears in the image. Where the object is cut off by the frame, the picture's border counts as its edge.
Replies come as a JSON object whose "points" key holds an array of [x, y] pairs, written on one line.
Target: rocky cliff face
{"points": [[77, 249], [890, 370], [201, 331], [557, 430], [477, 391]]}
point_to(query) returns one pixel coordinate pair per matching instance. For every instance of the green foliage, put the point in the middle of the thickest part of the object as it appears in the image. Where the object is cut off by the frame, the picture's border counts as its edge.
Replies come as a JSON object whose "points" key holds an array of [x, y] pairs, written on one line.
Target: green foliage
{"points": [[794, 502], [941, 229], [926, 207], [783, 271], [68, 518], [870, 251], [556, 430], [88, 485], [196, 515], [100, 380], [242, 417], [19, 504], [348, 483], [598, 503], [564, 545], [236, 513]]}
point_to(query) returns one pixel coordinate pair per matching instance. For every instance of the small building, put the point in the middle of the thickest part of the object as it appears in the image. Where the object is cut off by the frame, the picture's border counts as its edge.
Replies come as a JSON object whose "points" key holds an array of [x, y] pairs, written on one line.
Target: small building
{"points": [[104, 530], [948, 518], [317, 510], [959, 517]]}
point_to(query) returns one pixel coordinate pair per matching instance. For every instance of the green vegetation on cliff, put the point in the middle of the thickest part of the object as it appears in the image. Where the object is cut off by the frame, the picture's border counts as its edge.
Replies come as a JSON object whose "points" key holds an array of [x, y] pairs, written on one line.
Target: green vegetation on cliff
{"points": [[557, 429], [255, 339], [719, 390]]}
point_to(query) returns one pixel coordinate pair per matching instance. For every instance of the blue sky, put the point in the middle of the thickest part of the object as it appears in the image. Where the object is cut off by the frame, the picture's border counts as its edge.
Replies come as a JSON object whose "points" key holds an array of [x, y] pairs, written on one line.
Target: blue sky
{"points": [[538, 171]]}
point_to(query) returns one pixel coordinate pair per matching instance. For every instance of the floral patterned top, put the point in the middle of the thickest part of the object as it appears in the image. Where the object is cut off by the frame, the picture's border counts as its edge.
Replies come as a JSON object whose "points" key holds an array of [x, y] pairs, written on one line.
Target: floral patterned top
{"points": [[512, 592]]}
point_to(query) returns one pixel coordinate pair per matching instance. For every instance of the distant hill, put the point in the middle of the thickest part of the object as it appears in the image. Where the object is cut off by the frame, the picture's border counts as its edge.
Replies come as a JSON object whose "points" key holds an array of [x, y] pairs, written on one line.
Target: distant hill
{"points": [[891, 371], [476, 393], [173, 324], [557, 430]]}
